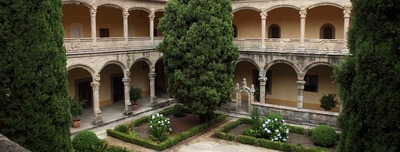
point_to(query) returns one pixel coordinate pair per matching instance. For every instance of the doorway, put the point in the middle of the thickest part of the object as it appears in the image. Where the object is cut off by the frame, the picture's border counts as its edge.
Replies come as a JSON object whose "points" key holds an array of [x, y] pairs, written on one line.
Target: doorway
{"points": [[85, 93], [117, 88]]}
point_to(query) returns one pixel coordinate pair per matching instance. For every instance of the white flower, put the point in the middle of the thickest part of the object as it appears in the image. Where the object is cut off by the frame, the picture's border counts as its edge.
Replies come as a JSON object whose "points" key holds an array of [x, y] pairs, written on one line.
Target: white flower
{"points": [[268, 131], [159, 122], [161, 115], [275, 119], [276, 138], [151, 126], [264, 125], [152, 116], [170, 129], [272, 139], [276, 130], [158, 115], [283, 120], [284, 139]]}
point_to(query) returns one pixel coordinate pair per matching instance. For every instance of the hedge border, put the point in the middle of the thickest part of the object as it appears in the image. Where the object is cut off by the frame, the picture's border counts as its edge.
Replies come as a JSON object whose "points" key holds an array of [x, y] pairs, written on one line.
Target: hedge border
{"points": [[171, 141], [223, 134]]}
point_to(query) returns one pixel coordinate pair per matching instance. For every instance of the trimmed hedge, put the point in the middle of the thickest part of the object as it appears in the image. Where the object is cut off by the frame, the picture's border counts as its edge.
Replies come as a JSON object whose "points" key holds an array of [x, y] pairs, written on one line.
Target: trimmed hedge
{"points": [[170, 141], [324, 136]]}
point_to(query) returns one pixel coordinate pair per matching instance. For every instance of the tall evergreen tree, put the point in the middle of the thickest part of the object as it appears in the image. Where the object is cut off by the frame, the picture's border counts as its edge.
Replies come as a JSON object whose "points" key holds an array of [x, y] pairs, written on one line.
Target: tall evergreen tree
{"points": [[369, 80], [199, 54], [34, 110]]}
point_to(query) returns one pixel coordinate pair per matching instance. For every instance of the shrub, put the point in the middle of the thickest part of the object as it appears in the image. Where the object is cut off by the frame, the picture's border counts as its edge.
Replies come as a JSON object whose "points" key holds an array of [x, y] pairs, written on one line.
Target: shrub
{"points": [[159, 127], [324, 136], [85, 141], [248, 140], [124, 128], [252, 132], [255, 117], [271, 127], [328, 102], [178, 110]]}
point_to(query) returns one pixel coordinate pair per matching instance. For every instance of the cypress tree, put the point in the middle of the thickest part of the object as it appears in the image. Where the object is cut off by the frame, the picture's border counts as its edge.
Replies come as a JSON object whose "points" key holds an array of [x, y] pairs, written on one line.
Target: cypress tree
{"points": [[33, 90], [369, 79], [199, 54]]}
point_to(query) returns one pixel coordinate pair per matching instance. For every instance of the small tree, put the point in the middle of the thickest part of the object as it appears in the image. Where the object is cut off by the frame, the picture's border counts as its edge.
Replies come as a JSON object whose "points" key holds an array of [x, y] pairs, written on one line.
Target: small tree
{"points": [[328, 102], [135, 94], [76, 107], [199, 54]]}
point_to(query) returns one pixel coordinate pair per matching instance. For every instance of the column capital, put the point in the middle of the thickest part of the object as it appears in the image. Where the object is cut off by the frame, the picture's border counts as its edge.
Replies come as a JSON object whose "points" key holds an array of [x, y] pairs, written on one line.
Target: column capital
{"points": [[151, 16], [300, 85], [303, 13], [125, 14], [347, 11], [93, 12], [127, 81], [95, 86], [264, 15], [152, 75]]}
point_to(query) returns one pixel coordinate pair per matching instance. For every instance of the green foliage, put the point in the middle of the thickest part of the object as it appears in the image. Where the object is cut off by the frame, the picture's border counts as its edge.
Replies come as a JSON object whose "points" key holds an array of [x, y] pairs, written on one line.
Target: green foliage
{"points": [[33, 89], [255, 116], [85, 141], [76, 106], [369, 79], [159, 127], [324, 135], [124, 128], [295, 129], [199, 53], [270, 127], [170, 141], [135, 94], [328, 102], [248, 140], [178, 110]]}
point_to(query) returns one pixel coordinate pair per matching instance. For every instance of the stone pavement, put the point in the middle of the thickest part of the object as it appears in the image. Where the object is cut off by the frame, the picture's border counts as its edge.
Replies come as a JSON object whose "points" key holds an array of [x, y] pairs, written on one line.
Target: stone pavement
{"points": [[203, 142]]}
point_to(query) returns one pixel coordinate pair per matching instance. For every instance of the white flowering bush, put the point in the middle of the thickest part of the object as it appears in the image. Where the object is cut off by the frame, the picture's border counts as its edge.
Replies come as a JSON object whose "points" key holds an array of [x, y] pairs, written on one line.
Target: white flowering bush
{"points": [[160, 127], [273, 128]]}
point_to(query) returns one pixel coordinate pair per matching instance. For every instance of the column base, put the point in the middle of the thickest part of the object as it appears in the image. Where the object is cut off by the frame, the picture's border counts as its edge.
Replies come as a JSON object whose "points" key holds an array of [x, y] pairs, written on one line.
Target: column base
{"points": [[128, 112], [94, 47], [263, 49], [98, 120], [302, 49], [299, 105], [345, 51]]}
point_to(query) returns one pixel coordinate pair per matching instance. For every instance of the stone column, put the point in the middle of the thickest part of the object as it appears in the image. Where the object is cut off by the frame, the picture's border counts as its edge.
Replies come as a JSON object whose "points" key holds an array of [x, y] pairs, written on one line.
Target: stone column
{"points": [[125, 15], [303, 14], [300, 93], [151, 17], [127, 84], [152, 76], [93, 12], [263, 15], [263, 82], [346, 16], [96, 103]]}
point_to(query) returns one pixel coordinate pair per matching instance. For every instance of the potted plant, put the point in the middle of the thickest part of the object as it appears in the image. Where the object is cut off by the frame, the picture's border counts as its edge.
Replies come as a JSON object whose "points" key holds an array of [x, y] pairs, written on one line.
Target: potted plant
{"points": [[76, 108], [135, 94], [328, 102]]}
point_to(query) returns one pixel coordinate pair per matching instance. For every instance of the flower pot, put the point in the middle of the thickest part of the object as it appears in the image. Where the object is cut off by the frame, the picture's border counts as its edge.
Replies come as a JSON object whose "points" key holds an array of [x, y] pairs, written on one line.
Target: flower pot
{"points": [[76, 123], [135, 106]]}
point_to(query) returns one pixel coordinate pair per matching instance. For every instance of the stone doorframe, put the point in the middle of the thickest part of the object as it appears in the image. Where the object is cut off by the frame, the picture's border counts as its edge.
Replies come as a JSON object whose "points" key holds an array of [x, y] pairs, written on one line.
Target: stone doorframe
{"points": [[249, 91]]}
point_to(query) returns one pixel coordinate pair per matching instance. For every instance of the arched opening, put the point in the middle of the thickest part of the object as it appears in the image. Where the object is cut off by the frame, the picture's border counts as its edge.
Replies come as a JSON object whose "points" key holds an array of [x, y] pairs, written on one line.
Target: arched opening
{"points": [[109, 22], [138, 23], [111, 88], [274, 31], [319, 81], [316, 26], [283, 85], [140, 79], [327, 31], [76, 21], [247, 23], [161, 82], [249, 71], [79, 81], [283, 22], [157, 31]]}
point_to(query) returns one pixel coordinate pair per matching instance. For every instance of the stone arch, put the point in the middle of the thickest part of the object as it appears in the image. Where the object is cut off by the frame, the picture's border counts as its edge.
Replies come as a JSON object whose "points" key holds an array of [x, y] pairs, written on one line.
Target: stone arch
{"points": [[248, 60], [159, 10], [118, 63], [244, 8], [269, 65], [248, 90], [149, 63], [140, 8], [77, 2], [85, 67], [312, 65], [112, 5], [322, 31], [282, 6], [325, 4]]}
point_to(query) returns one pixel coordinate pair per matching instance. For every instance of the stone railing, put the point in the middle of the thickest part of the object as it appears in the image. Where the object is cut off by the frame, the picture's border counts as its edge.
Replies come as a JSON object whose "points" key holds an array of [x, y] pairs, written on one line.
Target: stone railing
{"points": [[312, 46]]}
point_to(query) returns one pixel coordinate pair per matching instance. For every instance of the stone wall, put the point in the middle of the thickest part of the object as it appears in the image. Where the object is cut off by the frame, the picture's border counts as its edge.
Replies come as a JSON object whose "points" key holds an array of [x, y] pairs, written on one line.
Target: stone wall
{"points": [[300, 116]]}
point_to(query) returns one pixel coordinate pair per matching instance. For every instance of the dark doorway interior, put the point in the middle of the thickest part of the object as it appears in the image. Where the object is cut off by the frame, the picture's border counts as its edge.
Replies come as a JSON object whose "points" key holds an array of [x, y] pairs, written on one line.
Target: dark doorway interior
{"points": [[85, 93], [118, 88]]}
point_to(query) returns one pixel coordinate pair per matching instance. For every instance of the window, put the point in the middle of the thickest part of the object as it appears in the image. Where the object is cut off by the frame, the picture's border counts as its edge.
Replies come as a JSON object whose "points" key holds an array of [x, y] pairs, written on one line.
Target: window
{"points": [[104, 32], [234, 30], [311, 83], [76, 30], [327, 31], [274, 31]]}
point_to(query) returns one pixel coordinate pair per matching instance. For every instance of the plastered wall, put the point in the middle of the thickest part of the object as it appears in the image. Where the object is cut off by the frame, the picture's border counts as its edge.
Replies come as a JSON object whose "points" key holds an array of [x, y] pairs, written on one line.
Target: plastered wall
{"points": [[139, 77], [106, 82], [73, 76], [318, 16], [139, 23], [248, 23], [288, 19], [111, 18], [76, 15]]}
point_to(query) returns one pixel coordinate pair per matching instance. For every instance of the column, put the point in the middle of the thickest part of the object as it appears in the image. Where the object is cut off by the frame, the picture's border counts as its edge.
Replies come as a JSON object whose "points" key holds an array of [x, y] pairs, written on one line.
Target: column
{"points": [[93, 12], [96, 103], [151, 17], [346, 16], [127, 84], [263, 15], [303, 14], [263, 82], [152, 76], [300, 93], [125, 15]]}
